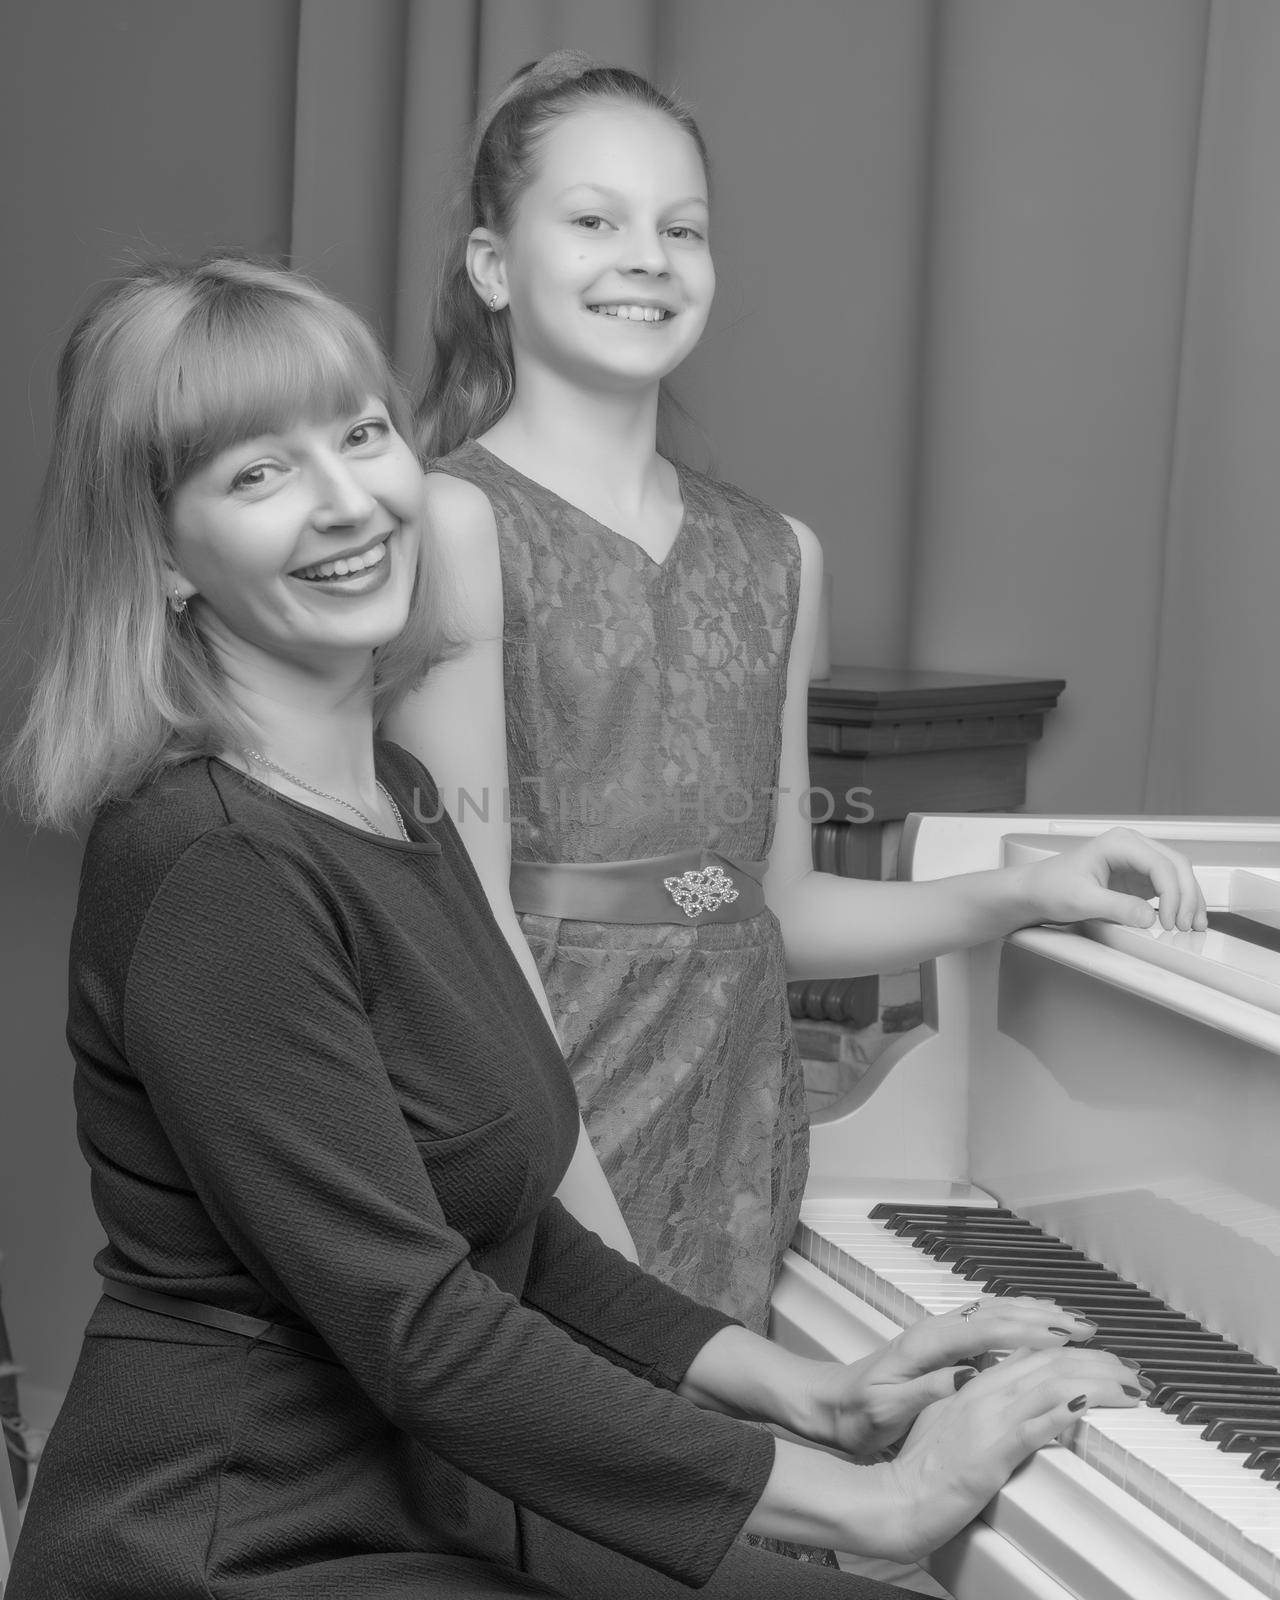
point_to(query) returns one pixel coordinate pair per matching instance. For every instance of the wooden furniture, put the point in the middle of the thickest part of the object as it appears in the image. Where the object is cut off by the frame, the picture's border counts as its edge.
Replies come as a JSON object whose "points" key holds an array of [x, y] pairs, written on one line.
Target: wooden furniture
{"points": [[884, 742]]}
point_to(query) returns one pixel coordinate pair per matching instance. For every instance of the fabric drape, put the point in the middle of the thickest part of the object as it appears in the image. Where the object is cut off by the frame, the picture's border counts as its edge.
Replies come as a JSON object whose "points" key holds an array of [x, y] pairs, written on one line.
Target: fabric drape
{"points": [[983, 271]]}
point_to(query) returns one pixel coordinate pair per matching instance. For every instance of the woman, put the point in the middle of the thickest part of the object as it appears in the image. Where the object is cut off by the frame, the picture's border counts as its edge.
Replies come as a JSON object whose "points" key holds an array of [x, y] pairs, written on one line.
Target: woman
{"points": [[350, 1344]]}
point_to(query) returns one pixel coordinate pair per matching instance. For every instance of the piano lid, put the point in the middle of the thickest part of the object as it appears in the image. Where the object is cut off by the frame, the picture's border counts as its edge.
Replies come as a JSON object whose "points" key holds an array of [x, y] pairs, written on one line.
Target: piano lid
{"points": [[1124, 1084]]}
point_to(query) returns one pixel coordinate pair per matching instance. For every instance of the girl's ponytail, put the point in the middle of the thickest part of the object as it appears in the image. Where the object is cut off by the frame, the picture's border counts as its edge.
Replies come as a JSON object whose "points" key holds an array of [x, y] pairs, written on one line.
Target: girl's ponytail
{"points": [[472, 376]]}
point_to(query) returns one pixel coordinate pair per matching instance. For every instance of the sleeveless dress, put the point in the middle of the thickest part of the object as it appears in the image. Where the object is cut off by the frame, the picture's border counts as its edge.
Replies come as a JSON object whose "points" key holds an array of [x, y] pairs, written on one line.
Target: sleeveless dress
{"points": [[644, 713]]}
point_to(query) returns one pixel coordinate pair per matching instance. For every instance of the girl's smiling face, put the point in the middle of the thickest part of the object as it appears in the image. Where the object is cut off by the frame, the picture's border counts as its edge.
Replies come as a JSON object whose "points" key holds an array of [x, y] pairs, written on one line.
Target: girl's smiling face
{"points": [[300, 545], [606, 270]]}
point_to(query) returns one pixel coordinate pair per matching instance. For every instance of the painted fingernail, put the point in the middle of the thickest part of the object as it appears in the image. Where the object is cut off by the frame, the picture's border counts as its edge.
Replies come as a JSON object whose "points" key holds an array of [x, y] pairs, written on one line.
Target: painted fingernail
{"points": [[1130, 1389], [963, 1375], [1079, 1403], [1125, 1361], [1065, 1332]]}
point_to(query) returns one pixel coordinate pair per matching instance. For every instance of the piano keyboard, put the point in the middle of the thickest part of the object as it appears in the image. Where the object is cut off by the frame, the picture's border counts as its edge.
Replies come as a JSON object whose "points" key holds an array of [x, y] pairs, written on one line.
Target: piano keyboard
{"points": [[1222, 1491]]}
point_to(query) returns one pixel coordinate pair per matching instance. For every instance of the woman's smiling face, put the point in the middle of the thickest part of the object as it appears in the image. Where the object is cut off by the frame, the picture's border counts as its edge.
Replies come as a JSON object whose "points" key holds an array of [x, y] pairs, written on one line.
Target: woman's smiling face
{"points": [[300, 545], [607, 265]]}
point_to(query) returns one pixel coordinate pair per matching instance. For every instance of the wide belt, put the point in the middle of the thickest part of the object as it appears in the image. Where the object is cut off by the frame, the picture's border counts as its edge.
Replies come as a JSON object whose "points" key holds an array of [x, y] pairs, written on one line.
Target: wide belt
{"points": [[689, 887], [298, 1340]]}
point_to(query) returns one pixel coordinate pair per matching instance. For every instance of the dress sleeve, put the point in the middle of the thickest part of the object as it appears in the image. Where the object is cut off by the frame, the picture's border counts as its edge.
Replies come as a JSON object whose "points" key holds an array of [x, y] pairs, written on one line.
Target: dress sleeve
{"points": [[613, 1306], [245, 1022]]}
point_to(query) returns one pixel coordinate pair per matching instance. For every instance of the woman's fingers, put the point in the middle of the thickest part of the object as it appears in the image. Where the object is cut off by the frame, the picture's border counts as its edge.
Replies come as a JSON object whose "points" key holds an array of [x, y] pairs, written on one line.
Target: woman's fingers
{"points": [[877, 1400], [963, 1448], [1043, 1394], [988, 1322]]}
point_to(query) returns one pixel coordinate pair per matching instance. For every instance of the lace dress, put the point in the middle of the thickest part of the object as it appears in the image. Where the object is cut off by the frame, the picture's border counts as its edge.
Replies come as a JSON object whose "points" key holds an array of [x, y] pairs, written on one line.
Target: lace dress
{"points": [[644, 710]]}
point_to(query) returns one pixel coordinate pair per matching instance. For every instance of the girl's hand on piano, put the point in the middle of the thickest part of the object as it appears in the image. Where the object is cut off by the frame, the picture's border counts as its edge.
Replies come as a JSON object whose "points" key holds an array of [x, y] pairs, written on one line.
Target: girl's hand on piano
{"points": [[873, 1402], [963, 1448], [1113, 876]]}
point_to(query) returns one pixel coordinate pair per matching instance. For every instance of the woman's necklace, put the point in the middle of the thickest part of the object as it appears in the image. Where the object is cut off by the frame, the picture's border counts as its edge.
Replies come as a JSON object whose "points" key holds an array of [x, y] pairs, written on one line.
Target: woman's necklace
{"points": [[257, 755]]}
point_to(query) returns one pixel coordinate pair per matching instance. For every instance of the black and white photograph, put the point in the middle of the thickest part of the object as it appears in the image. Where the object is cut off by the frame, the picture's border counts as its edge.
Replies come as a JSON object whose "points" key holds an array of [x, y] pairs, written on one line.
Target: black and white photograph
{"points": [[640, 800]]}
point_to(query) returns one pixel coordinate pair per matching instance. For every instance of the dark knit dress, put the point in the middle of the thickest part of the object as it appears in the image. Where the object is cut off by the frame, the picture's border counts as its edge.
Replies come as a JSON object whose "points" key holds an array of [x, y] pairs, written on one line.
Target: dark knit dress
{"points": [[313, 1087]]}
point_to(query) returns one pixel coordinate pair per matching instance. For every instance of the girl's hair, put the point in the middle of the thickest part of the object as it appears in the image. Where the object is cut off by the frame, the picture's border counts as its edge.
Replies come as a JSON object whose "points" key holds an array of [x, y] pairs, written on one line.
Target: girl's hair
{"points": [[472, 374], [170, 365]]}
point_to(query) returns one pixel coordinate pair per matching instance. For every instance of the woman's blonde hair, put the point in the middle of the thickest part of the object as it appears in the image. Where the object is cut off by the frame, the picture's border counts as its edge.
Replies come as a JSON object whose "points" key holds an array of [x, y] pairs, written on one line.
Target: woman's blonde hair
{"points": [[169, 365]]}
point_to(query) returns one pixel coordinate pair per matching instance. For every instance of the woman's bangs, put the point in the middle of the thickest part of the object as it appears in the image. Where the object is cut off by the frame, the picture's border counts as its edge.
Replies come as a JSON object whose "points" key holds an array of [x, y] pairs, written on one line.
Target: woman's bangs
{"points": [[232, 378]]}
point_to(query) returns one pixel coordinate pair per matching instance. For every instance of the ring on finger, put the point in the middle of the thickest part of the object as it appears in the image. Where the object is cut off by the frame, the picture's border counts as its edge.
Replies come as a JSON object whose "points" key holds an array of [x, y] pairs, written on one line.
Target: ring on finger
{"points": [[967, 1311]]}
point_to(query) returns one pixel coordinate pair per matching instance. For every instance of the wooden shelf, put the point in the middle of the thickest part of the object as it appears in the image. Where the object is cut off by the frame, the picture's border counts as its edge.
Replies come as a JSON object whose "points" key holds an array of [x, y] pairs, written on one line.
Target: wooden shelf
{"points": [[888, 741]]}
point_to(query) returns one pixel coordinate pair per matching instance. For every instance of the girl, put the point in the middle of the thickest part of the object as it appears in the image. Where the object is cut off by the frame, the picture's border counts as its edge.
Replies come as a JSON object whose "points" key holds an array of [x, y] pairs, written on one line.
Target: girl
{"points": [[349, 1343], [650, 631]]}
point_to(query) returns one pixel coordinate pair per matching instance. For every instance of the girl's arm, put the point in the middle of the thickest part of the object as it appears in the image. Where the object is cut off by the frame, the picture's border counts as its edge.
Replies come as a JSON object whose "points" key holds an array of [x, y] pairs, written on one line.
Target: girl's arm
{"points": [[455, 723], [837, 927]]}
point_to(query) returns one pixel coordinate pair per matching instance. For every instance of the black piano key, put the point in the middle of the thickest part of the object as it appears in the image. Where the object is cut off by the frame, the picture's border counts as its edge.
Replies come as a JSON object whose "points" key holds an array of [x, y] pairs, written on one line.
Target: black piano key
{"points": [[1184, 1374], [1135, 1322], [1141, 1319], [1163, 1339], [1206, 1411], [1271, 1472], [913, 1227], [935, 1244], [1140, 1348], [966, 1262], [951, 1246], [1069, 1273], [978, 1268], [977, 1227], [1242, 927], [1241, 1439], [988, 1222], [888, 1209], [1262, 1458], [910, 1228], [974, 1270], [1078, 1294], [1176, 1402], [1222, 1360], [1006, 1244], [909, 1222], [1095, 1283]]}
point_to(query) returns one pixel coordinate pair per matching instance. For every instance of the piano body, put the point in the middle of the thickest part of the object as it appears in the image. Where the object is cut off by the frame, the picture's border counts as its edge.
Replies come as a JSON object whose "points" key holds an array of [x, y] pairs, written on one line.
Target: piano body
{"points": [[1119, 1090]]}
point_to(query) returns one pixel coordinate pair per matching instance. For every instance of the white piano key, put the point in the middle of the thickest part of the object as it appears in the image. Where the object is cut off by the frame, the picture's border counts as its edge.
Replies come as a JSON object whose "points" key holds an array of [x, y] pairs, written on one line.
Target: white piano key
{"points": [[1204, 1492]]}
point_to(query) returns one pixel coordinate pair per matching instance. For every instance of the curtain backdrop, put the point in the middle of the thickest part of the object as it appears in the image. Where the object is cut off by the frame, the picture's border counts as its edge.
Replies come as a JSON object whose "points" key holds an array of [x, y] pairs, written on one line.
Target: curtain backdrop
{"points": [[984, 270], [386, 95], [1214, 745], [998, 314]]}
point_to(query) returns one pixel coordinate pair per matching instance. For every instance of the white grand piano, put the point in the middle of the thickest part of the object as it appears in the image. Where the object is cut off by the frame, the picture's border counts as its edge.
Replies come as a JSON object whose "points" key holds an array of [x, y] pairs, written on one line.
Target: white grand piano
{"points": [[1118, 1090]]}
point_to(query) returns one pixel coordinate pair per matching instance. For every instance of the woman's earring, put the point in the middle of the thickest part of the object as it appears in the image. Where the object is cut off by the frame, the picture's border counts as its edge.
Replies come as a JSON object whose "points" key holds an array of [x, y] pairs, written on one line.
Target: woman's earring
{"points": [[177, 602], [493, 302]]}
